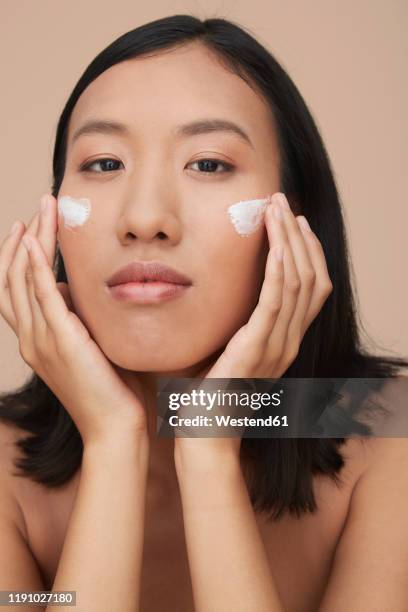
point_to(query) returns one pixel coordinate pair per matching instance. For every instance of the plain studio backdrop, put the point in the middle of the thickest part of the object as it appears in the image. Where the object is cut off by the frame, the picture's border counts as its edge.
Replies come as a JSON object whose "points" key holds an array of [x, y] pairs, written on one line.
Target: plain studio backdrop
{"points": [[348, 59]]}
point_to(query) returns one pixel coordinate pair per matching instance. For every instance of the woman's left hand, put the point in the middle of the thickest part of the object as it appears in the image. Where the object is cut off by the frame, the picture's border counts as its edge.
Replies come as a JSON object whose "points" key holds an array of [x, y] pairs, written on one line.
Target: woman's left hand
{"points": [[293, 293]]}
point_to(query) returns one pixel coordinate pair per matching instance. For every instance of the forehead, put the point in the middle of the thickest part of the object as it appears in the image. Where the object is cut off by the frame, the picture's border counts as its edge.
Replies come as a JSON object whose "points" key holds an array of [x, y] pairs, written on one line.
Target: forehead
{"points": [[174, 86]]}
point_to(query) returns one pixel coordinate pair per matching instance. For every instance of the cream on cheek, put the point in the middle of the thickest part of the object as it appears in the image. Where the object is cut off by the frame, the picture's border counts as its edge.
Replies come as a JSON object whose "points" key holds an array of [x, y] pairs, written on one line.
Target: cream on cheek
{"points": [[247, 215], [75, 211]]}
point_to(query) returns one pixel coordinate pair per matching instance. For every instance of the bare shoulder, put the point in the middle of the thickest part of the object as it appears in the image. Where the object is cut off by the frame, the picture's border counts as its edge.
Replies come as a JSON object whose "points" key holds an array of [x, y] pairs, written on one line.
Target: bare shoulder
{"points": [[19, 570], [386, 415], [374, 540], [384, 481], [389, 442], [9, 452], [385, 459]]}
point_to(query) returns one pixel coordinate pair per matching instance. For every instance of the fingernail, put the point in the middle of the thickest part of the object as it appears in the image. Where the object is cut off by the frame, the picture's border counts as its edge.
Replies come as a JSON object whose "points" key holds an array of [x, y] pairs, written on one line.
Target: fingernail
{"points": [[27, 241], [14, 228], [282, 200], [304, 224]]}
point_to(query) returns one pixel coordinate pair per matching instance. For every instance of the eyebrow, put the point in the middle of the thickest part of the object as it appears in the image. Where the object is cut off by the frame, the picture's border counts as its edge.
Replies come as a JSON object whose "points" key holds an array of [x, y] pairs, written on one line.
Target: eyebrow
{"points": [[194, 128]]}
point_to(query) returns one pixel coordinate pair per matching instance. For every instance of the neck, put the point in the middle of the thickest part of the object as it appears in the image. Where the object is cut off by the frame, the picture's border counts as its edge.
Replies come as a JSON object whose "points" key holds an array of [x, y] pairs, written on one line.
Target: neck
{"points": [[144, 384]]}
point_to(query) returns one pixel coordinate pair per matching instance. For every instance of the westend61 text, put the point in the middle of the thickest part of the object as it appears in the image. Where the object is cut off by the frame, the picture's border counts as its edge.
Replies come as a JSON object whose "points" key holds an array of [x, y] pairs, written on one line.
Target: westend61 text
{"points": [[228, 421]]}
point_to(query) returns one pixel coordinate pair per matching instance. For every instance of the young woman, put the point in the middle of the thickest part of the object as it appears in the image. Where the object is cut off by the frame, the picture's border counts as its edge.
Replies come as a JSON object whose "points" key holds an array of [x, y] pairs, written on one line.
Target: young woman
{"points": [[168, 127]]}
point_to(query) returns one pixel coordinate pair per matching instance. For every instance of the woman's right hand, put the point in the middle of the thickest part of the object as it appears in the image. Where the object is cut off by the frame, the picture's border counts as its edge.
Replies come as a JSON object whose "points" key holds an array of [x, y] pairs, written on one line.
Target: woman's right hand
{"points": [[54, 342]]}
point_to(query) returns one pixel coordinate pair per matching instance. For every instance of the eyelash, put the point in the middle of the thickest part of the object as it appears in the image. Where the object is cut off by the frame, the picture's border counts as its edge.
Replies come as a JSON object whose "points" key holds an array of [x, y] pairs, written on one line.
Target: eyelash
{"points": [[86, 167]]}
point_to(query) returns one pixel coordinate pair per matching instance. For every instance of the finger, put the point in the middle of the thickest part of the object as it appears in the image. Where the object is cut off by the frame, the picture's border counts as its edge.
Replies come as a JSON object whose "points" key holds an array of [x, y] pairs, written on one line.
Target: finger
{"points": [[17, 280], [323, 285], [13, 229], [39, 324], [47, 231], [304, 267], [291, 281], [7, 253], [51, 302], [269, 304]]}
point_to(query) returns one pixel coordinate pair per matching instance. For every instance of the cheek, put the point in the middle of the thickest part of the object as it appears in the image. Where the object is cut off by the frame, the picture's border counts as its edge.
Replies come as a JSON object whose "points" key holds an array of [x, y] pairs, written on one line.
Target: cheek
{"points": [[76, 249], [237, 269]]}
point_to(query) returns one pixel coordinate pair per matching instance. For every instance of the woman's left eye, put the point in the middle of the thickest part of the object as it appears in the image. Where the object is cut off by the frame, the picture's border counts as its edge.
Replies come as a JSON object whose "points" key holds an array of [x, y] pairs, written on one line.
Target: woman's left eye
{"points": [[87, 167], [208, 164]]}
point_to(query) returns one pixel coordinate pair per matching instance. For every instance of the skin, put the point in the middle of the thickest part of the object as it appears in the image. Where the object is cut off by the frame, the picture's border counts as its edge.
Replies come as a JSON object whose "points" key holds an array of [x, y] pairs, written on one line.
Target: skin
{"points": [[162, 190], [247, 311]]}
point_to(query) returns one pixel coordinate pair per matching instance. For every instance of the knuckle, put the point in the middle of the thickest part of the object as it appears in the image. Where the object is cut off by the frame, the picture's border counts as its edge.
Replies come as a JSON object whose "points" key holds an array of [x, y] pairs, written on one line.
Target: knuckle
{"points": [[40, 293], [327, 288], [271, 303], [29, 276], [318, 243], [291, 355], [309, 276], [293, 285], [64, 350], [26, 352], [273, 272], [275, 306]]}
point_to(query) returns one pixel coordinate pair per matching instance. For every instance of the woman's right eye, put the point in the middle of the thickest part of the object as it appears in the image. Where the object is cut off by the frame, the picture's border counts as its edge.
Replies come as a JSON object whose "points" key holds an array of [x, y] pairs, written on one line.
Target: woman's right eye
{"points": [[87, 167]]}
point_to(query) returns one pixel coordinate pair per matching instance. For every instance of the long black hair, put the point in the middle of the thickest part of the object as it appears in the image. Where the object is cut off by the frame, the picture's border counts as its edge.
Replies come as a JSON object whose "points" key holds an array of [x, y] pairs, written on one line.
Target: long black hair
{"points": [[281, 478]]}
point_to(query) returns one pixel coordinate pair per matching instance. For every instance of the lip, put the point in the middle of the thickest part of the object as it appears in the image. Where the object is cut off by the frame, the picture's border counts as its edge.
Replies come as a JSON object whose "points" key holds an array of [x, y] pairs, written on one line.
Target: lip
{"points": [[147, 293], [147, 282], [147, 271]]}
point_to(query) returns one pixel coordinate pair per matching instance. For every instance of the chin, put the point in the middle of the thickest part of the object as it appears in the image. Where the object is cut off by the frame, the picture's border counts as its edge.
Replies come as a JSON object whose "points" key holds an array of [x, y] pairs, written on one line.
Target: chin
{"points": [[146, 360]]}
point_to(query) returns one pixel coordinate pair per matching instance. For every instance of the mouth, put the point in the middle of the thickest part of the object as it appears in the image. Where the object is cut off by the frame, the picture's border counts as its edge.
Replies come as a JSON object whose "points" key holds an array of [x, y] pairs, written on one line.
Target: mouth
{"points": [[147, 282], [145, 293]]}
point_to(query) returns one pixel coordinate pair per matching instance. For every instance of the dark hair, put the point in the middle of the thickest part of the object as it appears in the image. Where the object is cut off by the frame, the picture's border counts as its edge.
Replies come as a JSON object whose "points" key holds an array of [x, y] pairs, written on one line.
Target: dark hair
{"points": [[283, 468]]}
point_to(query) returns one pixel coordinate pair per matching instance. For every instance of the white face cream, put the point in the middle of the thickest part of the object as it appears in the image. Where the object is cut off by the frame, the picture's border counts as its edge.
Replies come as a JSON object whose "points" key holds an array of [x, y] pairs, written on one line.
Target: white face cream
{"points": [[247, 215], [74, 211]]}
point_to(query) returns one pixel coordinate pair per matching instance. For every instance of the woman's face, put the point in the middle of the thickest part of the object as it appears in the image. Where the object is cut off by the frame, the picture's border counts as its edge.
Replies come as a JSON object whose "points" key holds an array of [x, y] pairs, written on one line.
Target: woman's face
{"points": [[155, 202]]}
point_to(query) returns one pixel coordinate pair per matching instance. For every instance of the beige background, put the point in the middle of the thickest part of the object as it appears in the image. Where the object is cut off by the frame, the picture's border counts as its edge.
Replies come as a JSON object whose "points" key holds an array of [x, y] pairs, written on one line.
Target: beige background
{"points": [[347, 59]]}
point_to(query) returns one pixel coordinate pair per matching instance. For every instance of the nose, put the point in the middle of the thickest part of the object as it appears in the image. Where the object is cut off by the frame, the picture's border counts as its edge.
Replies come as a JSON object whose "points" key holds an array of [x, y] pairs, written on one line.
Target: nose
{"points": [[149, 214]]}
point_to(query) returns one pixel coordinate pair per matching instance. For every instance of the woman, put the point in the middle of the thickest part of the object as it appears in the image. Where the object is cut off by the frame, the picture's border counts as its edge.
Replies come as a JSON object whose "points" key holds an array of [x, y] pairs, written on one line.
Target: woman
{"points": [[167, 128]]}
